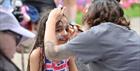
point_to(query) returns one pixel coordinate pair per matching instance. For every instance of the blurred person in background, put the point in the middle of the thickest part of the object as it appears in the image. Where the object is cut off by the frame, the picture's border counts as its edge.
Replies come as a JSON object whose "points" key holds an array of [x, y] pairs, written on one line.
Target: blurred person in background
{"points": [[35, 9], [11, 33], [28, 13], [41, 5], [71, 9]]}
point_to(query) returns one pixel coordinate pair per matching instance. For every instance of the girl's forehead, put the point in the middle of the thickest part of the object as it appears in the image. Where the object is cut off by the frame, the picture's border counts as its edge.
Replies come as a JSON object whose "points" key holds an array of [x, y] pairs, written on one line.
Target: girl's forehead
{"points": [[64, 21]]}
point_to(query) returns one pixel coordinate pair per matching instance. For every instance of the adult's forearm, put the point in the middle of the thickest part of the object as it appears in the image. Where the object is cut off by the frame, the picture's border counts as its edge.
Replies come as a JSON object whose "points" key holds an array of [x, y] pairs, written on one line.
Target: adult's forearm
{"points": [[50, 37], [53, 52], [50, 31]]}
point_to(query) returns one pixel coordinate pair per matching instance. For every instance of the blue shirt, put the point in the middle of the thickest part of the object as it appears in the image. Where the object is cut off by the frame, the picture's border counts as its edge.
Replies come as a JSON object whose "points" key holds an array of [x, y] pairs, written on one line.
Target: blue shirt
{"points": [[107, 47]]}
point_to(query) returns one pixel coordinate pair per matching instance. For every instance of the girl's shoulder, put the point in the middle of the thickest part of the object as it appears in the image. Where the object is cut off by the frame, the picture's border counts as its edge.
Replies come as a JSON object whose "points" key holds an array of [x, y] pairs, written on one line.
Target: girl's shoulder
{"points": [[36, 53]]}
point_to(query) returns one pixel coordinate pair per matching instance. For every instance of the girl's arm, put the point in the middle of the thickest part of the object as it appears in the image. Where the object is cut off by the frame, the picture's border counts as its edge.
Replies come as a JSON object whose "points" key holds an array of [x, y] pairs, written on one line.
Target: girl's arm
{"points": [[35, 59]]}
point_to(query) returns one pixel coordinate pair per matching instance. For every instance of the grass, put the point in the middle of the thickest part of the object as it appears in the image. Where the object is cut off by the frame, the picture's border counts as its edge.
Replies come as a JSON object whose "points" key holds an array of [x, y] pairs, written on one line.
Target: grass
{"points": [[133, 11], [79, 18]]}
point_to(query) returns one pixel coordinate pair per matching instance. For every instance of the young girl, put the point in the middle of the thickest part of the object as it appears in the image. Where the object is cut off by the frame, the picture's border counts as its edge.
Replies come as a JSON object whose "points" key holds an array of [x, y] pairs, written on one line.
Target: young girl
{"points": [[37, 59]]}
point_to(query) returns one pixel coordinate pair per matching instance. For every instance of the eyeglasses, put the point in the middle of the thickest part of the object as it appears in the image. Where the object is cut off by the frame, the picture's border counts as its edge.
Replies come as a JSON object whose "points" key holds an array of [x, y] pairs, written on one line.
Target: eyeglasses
{"points": [[15, 35]]}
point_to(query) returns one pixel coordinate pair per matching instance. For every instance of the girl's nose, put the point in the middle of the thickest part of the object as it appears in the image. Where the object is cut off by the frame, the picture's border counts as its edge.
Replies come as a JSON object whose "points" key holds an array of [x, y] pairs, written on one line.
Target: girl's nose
{"points": [[65, 32]]}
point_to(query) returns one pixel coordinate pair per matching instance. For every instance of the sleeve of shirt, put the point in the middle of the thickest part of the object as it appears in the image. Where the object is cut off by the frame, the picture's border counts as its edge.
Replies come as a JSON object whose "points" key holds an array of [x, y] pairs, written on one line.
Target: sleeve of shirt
{"points": [[85, 47]]}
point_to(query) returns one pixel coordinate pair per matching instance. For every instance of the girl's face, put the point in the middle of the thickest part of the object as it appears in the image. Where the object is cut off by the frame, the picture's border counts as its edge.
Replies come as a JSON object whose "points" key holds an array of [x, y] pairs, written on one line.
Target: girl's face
{"points": [[62, 30]]}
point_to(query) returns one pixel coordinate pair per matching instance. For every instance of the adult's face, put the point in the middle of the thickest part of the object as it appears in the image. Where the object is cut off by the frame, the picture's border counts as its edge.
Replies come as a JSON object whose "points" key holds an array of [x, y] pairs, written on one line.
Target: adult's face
{"points": [[8, 43]]}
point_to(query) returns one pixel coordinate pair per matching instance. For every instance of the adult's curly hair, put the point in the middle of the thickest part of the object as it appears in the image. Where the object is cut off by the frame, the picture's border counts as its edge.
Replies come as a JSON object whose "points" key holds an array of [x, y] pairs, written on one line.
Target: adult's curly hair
{"points": [[105, 11]]}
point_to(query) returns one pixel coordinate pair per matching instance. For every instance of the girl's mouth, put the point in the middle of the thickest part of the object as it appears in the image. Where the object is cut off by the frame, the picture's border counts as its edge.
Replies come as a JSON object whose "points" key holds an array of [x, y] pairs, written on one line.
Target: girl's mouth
{"points": [[62, 38]]}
